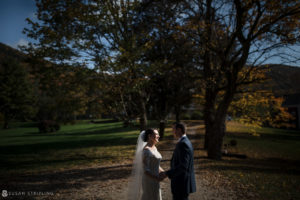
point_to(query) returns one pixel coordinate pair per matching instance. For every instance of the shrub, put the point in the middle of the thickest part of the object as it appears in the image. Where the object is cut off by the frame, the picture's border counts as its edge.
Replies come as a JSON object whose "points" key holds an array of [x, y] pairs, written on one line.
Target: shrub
{"points": [[186, 116], [128, 123], [47, 126], [233, 143], [196, 115]]}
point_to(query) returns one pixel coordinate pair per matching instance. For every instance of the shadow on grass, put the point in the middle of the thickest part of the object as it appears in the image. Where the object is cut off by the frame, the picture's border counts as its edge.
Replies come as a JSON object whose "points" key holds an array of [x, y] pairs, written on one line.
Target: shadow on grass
{"points": [[29, 125], [64, 180], [106, 138], [281, 136], [104, 121], [29, 164], [277, 136], [56, 145], [267, 166], [81, 132]]}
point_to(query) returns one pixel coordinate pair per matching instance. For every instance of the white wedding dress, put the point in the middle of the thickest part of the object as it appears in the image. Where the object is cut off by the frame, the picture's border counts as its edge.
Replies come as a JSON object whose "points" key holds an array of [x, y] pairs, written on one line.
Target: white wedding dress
{"points": [[140, 185], [151, 187]]}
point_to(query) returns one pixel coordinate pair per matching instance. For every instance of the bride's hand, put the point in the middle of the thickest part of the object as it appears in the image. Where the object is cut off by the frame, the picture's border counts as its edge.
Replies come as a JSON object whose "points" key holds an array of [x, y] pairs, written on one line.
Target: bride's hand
{"points": [[161, 169], [162, 176]]}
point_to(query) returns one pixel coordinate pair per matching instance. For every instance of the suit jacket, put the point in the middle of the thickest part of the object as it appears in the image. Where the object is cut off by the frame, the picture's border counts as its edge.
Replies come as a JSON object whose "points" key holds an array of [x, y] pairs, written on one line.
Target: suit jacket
{"points": [[182, 168]]}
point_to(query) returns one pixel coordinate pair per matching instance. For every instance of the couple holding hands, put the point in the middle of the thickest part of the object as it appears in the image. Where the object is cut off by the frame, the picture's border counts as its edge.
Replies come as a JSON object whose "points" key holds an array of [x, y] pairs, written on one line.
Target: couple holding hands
{"points": [[147, 172]]}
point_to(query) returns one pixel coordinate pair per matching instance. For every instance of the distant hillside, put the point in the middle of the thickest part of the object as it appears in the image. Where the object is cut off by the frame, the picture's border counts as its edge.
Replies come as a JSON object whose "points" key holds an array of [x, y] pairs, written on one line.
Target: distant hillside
{"points": [[9, 52], [284, 79]]}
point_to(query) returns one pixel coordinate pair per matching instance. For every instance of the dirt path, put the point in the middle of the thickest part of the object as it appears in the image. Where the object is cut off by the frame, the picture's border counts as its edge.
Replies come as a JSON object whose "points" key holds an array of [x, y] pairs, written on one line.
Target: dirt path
{"points": [[111, 182]]}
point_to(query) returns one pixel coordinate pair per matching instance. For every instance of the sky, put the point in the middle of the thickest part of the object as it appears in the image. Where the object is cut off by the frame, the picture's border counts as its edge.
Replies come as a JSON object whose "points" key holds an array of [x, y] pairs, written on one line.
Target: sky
{"points": [[12, 20]]}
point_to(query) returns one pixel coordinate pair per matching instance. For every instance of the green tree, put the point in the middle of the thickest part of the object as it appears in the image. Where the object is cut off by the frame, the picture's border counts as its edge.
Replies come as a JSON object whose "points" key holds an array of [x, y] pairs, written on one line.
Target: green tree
{"points": [[100, 33], [17, 97], [62, 90], [172, 78]]}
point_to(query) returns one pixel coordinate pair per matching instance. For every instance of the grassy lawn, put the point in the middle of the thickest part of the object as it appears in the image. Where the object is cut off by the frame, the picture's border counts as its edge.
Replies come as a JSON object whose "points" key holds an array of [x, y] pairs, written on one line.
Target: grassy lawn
{"points": [[271, 169], [23, 149]]}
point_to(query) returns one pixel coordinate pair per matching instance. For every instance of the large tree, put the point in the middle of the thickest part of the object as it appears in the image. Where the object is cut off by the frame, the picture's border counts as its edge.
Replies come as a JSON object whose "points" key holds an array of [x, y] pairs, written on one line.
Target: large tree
{"points": [[17, 91], [232, 36], [103, 34], [62, 90], [169, 56]]}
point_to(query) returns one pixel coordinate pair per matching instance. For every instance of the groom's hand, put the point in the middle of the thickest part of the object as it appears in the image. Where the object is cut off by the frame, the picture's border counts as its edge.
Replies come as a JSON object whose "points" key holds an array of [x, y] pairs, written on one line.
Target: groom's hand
{"points": [[162, 176]]}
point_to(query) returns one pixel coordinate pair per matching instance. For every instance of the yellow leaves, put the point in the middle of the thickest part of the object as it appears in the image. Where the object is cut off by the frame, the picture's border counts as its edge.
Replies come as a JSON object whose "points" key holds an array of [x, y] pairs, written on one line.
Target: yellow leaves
{"points": [[148, 45], [255, 109], [71, 73], [121, 49], [200, 96]]}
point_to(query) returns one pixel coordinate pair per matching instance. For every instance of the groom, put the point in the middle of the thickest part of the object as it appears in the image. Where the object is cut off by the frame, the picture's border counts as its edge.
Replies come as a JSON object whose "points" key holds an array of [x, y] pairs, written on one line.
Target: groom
{"points": [[182, 165]]}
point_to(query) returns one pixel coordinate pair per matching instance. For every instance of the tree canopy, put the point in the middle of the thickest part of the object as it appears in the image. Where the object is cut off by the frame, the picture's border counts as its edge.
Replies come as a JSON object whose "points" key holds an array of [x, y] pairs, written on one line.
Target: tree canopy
{"points": [[157, 53]]}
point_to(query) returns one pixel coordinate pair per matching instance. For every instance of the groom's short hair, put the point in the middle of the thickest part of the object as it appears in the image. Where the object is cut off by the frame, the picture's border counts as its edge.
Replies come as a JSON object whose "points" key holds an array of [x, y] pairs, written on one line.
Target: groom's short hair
{"points": [[181, 126]]}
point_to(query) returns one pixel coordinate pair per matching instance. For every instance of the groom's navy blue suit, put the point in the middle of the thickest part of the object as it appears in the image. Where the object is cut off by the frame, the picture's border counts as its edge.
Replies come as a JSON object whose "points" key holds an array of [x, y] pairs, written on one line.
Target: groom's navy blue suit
{"points": [[182, 170]]}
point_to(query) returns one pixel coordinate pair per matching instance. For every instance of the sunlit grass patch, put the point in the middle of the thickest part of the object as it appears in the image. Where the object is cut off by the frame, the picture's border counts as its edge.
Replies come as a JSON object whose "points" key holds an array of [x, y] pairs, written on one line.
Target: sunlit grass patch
{"points": [[272, 167]]}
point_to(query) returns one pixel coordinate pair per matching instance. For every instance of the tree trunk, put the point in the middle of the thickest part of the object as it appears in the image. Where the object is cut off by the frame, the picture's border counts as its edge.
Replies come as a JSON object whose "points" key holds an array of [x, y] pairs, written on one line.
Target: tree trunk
{"points": [[206, 136], [143, 116], [215, 134], [209, 115], [215, 124], [162, 125], [177, 113], [5, 125], [177, 117]]}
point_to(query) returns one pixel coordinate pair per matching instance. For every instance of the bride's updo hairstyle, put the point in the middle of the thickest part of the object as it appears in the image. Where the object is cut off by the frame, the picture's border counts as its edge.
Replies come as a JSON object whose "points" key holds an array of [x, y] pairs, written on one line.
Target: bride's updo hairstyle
{"points": [[147, 133]]}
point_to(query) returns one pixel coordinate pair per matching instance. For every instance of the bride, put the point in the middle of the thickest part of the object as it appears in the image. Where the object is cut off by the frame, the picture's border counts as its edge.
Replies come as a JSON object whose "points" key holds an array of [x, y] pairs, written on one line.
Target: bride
{"points": [[146, 168]]}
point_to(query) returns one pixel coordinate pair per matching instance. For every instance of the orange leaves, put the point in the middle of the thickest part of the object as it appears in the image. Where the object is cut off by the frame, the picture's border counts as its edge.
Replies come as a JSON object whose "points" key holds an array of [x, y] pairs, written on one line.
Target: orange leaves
{"points": [[258, 108]]}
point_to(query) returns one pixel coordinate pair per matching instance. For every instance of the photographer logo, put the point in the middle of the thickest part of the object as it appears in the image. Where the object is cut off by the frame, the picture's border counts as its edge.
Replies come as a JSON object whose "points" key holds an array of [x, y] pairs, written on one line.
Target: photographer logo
{"points": [[4, 193]]}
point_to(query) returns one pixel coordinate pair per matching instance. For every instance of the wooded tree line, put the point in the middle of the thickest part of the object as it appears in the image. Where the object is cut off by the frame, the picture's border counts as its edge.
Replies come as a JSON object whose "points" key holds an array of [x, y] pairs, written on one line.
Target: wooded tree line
{"points": [[154, 56]]}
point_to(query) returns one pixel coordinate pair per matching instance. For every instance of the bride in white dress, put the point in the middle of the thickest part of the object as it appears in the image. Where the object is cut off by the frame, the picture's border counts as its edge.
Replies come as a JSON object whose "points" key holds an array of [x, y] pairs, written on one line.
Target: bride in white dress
{"points": [[145, 180]]}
